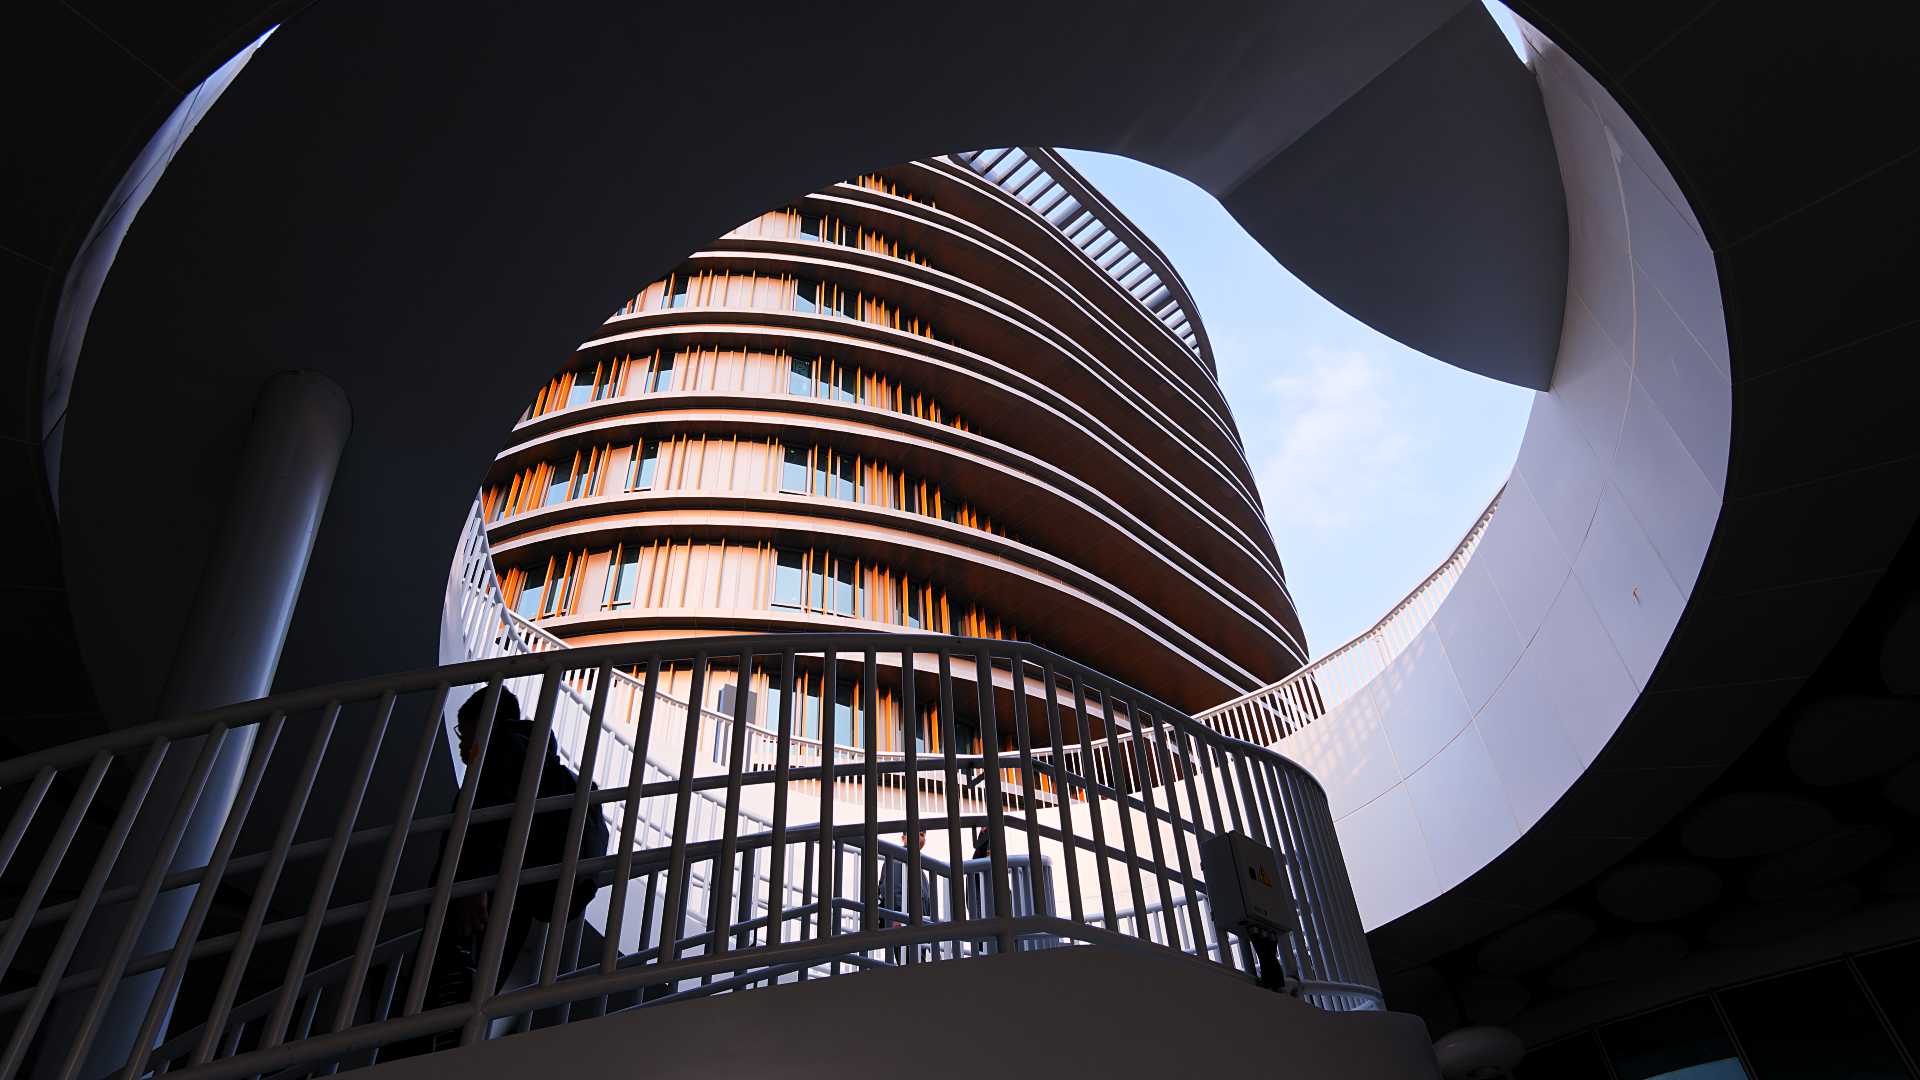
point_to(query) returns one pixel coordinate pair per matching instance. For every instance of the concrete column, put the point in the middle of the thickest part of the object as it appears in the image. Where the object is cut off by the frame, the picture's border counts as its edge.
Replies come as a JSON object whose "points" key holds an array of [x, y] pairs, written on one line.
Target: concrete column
{"points": [[228, 653]]}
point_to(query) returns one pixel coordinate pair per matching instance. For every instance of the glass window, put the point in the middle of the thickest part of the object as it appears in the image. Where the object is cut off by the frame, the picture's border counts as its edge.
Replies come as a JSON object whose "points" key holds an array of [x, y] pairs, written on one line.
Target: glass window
{"points": [[843, 479], [789, 578], [810, 226], [800, 377], [582, 389], [725, 702], [843, 586], [793, 470], [806, 292], [532, 591], [661, 378], [810, 714], [1812, 1023], [677, 295], [1889, 975], [844, 732], [846, 384], [817, 581], [626, 572], [1679, 1042], [582, 484], [646, 460], [558, 482], [915, 617]]}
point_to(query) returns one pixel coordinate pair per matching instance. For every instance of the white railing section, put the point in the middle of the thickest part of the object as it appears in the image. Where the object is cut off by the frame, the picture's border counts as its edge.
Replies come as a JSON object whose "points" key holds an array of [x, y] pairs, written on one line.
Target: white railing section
{"points": [[1141, 274], [1271, 713]]}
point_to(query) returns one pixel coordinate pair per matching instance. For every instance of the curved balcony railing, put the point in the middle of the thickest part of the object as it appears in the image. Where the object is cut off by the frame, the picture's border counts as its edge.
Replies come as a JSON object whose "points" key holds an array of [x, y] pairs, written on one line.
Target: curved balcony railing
{"points": [[804, 874], [1044, 183], [741, 855], [1271, 713]]}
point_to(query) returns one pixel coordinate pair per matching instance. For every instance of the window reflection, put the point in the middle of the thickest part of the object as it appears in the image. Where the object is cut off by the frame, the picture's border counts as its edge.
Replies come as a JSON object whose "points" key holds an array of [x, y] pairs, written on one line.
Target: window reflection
{"points": [[1680, 1042]]}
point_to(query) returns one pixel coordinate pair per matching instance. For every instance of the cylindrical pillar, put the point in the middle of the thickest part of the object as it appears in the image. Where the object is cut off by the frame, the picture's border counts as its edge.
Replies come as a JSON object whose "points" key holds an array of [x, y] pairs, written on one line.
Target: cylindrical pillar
{"points": [[229, 650]]}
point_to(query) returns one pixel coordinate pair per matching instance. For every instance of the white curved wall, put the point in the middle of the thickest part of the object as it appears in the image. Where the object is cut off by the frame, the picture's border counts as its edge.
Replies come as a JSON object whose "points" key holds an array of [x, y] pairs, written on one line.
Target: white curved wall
{"points": [[1555, 626]]}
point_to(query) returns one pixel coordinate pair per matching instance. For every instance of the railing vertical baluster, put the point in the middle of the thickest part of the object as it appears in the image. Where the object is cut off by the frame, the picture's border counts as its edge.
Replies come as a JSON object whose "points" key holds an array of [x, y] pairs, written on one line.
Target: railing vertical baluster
{"points": [[23, 814], [1062, 789], [159, 861], [1030, 796], [329, 872], [261, 753], [56, 853], [390, 859], [492, 964], [1121, 799], [996, 800], [719, 918], [782, 767], [27, 1023], [828, 915], [870, 832], [1185, 742], [910, 729], [264, 886], [1094, 815], [956, 854], [1157, 735], [808, 913], [674, 925], [451, 846], [629, 822], [557, 917]]}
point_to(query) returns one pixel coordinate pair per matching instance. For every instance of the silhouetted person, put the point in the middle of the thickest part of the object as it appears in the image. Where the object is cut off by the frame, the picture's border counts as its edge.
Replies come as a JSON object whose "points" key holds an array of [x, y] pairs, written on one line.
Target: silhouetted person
{"points": [[457, 958]]}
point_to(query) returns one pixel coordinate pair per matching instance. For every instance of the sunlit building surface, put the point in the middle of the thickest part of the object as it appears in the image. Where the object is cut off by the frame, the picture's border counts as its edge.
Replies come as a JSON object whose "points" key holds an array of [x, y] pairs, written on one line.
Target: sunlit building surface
{"points": [[961, 396]]}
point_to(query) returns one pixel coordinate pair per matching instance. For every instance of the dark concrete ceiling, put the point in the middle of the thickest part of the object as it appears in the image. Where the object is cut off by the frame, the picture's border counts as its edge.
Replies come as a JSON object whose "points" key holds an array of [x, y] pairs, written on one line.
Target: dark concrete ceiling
{"points": [[430, 209]]}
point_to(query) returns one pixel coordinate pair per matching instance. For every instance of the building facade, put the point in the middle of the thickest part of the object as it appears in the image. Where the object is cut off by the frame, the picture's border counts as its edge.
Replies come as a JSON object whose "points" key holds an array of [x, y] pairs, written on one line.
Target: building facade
{"points": [[959, 396]]}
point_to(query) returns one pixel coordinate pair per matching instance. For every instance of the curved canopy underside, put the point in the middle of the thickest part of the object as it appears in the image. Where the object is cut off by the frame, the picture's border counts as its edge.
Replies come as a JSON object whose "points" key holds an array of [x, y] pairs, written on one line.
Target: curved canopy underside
{"points": [[430, 210]]}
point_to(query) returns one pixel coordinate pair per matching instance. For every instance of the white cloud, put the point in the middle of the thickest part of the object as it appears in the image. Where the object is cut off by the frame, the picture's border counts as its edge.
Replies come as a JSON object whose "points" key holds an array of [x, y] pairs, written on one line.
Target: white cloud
{"points": [[1332, 440]]}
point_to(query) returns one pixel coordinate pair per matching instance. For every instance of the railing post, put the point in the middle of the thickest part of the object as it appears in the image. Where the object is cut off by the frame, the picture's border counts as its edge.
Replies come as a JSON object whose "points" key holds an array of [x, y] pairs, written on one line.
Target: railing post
{"points": [[228, 651]]}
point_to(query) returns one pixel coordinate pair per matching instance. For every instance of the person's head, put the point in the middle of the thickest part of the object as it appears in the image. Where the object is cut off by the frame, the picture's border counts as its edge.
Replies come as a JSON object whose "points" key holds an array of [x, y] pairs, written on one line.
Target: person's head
{"points": [[467, 720]]}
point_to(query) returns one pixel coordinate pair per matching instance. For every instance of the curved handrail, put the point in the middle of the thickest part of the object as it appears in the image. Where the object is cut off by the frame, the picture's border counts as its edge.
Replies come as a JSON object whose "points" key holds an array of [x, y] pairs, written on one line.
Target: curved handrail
{"points": [[1271, 713], [1047, 185], [803, 880]]}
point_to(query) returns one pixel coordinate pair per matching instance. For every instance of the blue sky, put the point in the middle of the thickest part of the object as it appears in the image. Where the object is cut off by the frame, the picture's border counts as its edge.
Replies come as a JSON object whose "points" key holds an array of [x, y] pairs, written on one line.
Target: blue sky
{"points": [[1372, 459]]}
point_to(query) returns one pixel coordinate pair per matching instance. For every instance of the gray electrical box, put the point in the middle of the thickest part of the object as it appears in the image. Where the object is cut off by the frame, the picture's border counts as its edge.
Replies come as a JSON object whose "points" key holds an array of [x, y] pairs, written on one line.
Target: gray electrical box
{"points": [[1245, 885]]}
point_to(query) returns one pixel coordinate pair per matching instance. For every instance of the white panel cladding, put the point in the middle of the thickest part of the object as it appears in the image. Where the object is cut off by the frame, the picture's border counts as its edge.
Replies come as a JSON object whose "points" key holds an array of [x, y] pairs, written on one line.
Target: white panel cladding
{"points": [[1559, 620], [1477, 634], [1387, 858], [1636, 600], [1421, 702], [1463, 809], [1348, 746], [1523, 559], [1683, 381], [1668, 494], [1529, 748], [1561, 470], [1591, 378], [1677, 263], [1589, 682]]}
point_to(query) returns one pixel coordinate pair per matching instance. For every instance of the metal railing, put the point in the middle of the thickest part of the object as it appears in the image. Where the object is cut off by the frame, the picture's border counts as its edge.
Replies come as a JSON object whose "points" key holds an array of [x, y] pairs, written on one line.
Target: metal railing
{"points": [[1271, 713], [722, 875], [1023, 173]]}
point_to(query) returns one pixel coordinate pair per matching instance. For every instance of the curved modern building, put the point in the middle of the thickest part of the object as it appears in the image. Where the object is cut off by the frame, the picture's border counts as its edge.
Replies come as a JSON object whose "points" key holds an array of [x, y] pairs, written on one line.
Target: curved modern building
{"points": [[961, 396]]}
